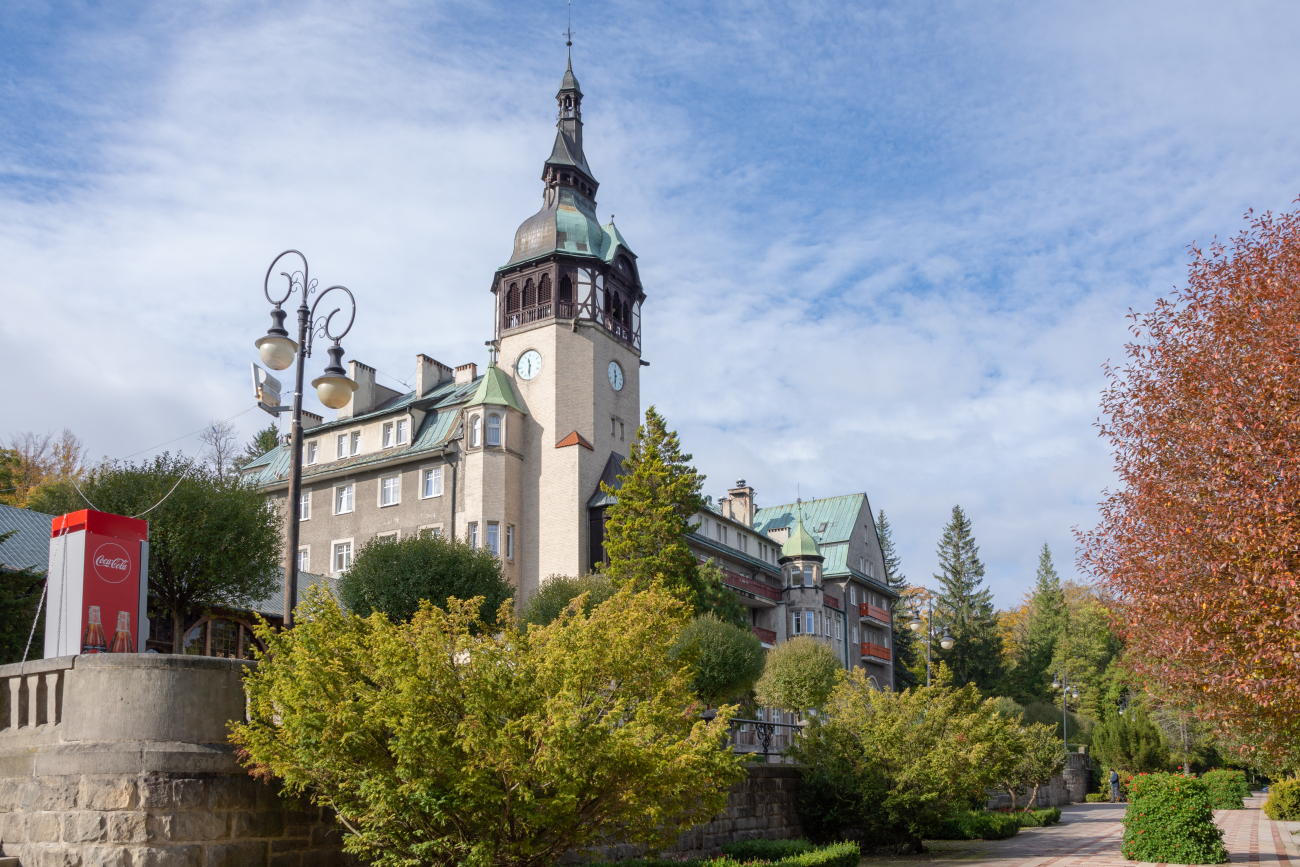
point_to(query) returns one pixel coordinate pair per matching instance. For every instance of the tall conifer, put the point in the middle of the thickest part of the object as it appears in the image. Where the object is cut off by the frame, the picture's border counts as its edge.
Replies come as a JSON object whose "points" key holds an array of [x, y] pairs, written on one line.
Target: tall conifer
{"points": [[1046, 623], [966, 607], [906, 651]]}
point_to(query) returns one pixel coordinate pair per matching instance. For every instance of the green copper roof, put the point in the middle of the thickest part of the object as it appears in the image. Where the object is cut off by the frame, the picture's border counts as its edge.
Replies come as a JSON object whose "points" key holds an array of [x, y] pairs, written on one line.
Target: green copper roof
{"points": [[613, 240], [801, 543], [494, 389]]}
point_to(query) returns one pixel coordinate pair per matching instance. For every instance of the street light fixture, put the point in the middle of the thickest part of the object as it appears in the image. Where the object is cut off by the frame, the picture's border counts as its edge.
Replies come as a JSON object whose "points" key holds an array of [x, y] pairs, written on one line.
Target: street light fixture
{"points": [[334, 388], [1068, 691], [918, 625]]}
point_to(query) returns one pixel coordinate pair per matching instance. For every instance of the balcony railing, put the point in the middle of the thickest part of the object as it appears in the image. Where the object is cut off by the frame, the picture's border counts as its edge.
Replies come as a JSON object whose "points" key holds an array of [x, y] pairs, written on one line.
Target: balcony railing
{"points": [[749, 585], [767, 636], [832, 601], [876, 650], [867, 610], [565, 310], [771, 739]]}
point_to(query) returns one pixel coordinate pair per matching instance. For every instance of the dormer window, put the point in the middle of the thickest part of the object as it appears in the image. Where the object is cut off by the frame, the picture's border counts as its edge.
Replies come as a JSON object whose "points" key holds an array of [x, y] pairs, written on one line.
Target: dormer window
{"points": [[402, 425], [388, 434], [356, 442], [494, 430]]}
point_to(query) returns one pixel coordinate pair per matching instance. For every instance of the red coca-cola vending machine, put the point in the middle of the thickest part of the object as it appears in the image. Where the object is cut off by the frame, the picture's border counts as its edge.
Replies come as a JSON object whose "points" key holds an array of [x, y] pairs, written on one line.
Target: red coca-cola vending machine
{"points": [[98, 582]]}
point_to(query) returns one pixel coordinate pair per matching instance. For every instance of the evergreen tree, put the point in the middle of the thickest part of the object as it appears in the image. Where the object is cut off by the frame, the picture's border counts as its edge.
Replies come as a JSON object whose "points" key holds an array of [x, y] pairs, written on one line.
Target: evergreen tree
{"points": [[261, 443], [907, 653], [1043, 630], [966, 607], [655, 508]]}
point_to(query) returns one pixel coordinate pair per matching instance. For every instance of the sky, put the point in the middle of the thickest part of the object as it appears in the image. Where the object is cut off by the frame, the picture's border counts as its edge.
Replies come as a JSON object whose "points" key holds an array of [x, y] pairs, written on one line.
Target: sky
{"points": [[886, 247]]}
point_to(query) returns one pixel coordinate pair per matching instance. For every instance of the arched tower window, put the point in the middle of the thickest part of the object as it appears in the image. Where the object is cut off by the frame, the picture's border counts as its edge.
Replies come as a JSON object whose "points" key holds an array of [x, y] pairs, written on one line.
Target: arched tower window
{"points": [[544, 290], [476, 431], [530, 293], [512, 298], [494, 430], [566, 288]]}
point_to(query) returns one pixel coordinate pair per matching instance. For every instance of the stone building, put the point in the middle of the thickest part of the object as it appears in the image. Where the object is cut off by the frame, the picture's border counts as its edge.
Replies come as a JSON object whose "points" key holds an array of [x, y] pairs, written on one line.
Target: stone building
{"points": [[512, 458]]}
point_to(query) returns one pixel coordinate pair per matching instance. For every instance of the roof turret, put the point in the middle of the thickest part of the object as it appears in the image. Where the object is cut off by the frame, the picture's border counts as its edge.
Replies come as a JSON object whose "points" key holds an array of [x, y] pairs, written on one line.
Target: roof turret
{"points": [[801, 543], [494, 389]]}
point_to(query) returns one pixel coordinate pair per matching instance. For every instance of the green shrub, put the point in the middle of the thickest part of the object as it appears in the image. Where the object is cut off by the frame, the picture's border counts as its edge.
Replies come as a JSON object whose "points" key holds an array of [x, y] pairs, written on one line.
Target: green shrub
{"points": [[978, 825], [1283, 804], [766, 850], [1169, 820], [725, 660], [1038, 818], [1227, 789], [775, 853], [1096, 798], [557, 591]]}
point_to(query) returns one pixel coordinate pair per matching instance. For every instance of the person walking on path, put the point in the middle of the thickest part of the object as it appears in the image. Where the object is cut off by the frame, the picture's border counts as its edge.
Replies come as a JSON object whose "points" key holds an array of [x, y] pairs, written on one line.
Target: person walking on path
{"points": [[1114, 785]]}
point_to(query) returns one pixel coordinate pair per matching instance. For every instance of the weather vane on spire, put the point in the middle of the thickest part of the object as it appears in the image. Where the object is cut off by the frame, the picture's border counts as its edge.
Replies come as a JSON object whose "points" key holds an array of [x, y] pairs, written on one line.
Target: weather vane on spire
{"points": [[568, 34]]}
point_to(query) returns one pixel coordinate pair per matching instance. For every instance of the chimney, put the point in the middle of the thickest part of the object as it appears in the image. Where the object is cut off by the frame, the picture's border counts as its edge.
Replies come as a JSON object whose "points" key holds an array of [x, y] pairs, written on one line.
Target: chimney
{"points": [[741, 499], [466, 373], [311, 420], [363, 399], [428, 374]]}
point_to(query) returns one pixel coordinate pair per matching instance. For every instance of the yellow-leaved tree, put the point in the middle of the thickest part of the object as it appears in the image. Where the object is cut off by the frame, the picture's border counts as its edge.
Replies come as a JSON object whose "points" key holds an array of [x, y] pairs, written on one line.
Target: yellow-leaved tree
{"points": [[441, 742]]}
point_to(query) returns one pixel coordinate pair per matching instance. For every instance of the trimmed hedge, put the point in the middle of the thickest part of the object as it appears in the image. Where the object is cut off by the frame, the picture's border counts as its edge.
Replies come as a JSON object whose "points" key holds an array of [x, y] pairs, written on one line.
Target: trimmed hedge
{"points": [[1169, 820], [1038, 818], [978, 825], [774, 853], [1096, 798], [1228, 789], [1283, 804]]}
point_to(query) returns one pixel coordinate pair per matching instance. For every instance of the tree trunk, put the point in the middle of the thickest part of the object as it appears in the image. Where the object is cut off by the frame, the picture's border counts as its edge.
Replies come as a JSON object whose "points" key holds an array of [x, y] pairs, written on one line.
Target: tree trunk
{"points": [[178, 632], [1012, 793], [1033, 801]]}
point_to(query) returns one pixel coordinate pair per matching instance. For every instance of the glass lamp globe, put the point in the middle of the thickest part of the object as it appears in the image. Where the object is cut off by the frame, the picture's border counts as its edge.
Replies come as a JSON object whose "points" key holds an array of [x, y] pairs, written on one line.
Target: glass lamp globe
{"points": [[334, 391], [1121, 711], [916, 624], [947, 642], [277, 352], [1056, 683]]}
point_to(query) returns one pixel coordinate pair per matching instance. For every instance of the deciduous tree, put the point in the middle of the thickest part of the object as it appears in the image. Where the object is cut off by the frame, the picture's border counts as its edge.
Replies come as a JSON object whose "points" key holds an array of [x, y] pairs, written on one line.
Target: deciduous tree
{"points": [[800, 675], [440, 741], [1201, 541], [20, 592], [725, 659]]}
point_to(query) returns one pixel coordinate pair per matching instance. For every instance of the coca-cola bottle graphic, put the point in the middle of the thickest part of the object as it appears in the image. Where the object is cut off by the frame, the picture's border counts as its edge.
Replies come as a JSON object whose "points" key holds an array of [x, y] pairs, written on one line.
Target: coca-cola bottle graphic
{"points": [[94, 641], [122, 638]]}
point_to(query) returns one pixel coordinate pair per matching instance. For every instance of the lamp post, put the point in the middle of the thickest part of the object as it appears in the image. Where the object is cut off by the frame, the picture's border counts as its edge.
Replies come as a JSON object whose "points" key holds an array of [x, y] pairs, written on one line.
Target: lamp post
{"points": [[917, 625], [334, 388], [1062, 682]]}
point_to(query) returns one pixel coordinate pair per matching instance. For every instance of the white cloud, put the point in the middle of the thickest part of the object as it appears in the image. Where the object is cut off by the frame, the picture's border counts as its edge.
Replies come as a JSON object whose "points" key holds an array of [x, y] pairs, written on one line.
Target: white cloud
{"points": [[886, 249]]}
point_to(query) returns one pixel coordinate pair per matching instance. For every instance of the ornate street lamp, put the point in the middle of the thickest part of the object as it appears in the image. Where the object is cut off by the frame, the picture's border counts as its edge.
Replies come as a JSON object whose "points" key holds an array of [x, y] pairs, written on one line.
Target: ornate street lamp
{"points": [[919, 624], [334, 388], [1061, 681]]}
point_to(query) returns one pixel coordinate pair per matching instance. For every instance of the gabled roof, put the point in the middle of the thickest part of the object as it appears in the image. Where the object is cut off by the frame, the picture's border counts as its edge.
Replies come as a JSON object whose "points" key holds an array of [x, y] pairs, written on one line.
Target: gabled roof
{"points": [[273, 604], [830, 520], [613, 242], [29, 546], [494, 389]]}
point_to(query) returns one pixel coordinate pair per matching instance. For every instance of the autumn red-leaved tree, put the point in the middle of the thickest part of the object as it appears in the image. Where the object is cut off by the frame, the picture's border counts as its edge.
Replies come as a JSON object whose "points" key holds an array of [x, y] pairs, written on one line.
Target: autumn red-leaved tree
{"points": [[1200, 544]]}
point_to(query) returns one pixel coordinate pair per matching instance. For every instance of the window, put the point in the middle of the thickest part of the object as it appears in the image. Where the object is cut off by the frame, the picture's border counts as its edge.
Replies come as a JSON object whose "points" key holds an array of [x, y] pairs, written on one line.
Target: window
{"points": [[402, 425], [494, 537], [839, 630], [311, 452], [476, 431], [744, 542], [388, 434], [473, 535], [855, 634], [510, 542], [798, 624], [620, 431], [356, 442], [343, 500], [432, 484], [390, 536], [304, 506], [613, 425], [343, 445], [390, 490], [342, 556], [809, 625], [304, 559], [431, 532], [796, 577], [494, 430], [853, 595]]}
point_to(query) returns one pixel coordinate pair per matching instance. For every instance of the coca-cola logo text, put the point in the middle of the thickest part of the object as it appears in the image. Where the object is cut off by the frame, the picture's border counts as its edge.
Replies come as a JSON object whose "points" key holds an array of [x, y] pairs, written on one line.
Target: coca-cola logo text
{"points": [[112, 563]]}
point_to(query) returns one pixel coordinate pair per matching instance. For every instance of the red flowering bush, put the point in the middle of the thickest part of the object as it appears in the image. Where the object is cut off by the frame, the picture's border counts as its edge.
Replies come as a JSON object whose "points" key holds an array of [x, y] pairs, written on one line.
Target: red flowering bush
{"points": [[1169, 820]]}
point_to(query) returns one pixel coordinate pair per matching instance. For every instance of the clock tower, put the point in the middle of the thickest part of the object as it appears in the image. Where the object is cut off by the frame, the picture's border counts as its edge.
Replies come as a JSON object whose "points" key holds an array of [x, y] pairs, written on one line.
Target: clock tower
{"points": [[568, 335]]}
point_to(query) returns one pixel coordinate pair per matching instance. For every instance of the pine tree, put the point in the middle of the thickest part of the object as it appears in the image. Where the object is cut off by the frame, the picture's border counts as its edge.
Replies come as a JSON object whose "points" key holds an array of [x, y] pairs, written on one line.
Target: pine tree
{"points": [[656, 504], [1043, 630], [906, 645], [966, 607]]}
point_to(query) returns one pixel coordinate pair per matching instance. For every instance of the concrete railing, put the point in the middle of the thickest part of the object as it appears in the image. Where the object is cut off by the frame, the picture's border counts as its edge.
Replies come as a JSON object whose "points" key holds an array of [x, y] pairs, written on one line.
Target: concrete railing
{"points": [[31, 695]]}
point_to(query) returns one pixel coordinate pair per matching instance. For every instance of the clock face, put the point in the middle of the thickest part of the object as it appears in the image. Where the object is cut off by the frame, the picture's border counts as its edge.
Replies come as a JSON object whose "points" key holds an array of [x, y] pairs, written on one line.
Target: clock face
{"points": [[616, 376], [530, 364]]}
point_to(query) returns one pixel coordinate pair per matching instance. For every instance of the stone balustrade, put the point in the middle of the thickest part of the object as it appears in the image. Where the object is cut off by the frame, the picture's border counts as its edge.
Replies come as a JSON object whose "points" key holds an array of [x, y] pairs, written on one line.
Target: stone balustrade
{"points": [[31, 696]]}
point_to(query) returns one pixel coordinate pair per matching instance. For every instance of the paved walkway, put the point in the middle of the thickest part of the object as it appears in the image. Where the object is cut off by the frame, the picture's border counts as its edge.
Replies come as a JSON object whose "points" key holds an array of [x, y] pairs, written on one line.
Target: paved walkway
{"points": [[1089, 835]]}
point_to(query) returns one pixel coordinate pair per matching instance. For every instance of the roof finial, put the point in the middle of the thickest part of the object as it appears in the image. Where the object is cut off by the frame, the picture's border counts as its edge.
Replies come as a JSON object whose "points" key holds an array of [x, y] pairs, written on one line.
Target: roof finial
{"points": [[568, 36]]}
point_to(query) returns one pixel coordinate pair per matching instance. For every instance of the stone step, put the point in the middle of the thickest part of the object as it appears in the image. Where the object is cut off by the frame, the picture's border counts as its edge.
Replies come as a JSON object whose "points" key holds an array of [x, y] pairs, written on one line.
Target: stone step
{"points": [[9, 861]]}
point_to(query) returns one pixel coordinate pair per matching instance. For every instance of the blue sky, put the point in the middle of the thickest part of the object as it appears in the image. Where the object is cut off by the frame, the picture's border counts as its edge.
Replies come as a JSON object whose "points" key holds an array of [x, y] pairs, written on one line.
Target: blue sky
{"points": [[887, 246]]}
